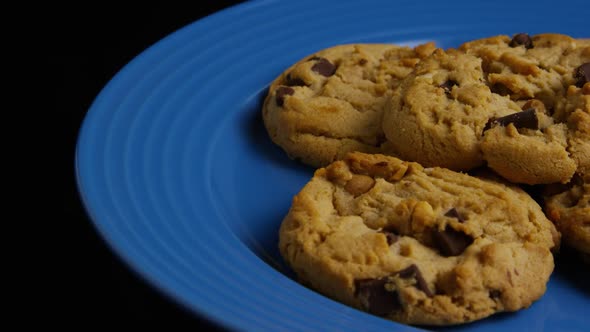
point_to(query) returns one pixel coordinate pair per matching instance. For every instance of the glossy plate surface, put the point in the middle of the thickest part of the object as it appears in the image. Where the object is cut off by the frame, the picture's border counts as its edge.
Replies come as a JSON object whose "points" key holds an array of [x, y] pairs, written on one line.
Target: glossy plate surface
{"points": [[179, 176]]}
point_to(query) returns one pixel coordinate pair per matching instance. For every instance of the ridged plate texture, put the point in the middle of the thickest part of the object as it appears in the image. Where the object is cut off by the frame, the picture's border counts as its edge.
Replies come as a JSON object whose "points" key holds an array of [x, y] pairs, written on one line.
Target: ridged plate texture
{"points": [[180, 178]]}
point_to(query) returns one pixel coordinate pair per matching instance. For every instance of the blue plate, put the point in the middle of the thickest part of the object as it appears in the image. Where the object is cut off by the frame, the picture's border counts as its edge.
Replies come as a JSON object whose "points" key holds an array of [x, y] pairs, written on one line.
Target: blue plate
{"points": [[179, 176]]}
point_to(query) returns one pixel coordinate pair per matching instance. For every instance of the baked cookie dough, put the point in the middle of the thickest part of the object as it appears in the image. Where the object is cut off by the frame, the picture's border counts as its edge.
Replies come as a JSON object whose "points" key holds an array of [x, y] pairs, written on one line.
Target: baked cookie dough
{"points": [[530, 67], [570, 210], [461, 109], [417, 245], [332, 101], [438, 114], [548, 73], [574, 110]]}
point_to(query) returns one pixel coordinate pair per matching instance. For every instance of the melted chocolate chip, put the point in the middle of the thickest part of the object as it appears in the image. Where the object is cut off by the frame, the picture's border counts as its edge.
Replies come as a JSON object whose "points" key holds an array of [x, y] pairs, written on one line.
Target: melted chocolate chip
{"points": [[324, 67], [294, 81], [500, 89], [391, 237], [494, 293], [582, 74], [363, 62], [375, 298], [453, 213], [451, 242], [525, 119], [521, 39], [448, 86], [382, 164], [281, 93], [412, 271]]}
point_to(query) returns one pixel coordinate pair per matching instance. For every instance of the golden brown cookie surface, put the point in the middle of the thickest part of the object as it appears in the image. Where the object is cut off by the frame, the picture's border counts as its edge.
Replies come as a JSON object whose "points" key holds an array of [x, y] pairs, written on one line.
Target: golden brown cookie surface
{"points": [[331, 102], [507, 103], [570, 210], [417, 245], [438, 114]]}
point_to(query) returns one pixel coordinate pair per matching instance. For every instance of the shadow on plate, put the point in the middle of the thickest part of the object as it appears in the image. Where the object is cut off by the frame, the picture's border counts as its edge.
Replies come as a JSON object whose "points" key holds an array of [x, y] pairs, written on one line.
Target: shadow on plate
{"points": [[255, 132], [570, 267], [264, 240], [265, 246]]}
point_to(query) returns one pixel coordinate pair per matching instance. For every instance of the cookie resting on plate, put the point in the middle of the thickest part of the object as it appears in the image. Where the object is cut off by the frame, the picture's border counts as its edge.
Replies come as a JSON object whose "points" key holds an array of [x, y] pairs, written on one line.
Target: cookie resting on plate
{"points": [[498, 102], [417, 245], [570, 210], [331, 102]]}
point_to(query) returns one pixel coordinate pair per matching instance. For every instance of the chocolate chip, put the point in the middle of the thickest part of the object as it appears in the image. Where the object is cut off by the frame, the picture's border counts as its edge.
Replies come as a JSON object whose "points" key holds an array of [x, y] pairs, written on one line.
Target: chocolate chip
{"points": [[391, 237], [375, 298], [408, 272], [382, 164], [500, 89], [451, 242], [412, 271], [290, 81], [363, 62], [494, 293], [525, 119], [324, 67], [453, 213], [582, 74], [521, 39], [281, 93], [448, 86]]}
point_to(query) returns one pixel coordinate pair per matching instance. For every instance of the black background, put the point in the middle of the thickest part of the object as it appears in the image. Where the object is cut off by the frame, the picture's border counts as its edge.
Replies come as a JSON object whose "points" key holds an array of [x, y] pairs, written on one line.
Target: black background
{"points": [[81, 48], [87, 45]]}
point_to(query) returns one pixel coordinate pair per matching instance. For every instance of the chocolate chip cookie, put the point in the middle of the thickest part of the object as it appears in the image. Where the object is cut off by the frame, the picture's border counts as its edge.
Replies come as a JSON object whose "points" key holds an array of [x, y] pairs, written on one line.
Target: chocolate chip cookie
{"points": [[498, 101], [574, 110], [332, 101], [546, 74], [570, 210], [417, 245], [530, 67], [438, 114]]}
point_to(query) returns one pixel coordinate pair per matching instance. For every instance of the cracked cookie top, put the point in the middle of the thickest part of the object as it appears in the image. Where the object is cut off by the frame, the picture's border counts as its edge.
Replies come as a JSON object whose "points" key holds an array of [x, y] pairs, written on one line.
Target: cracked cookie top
{"points": [[331, 102], [519, 106], [417, 245], [569, 208], [530, 67], [439, 112]]}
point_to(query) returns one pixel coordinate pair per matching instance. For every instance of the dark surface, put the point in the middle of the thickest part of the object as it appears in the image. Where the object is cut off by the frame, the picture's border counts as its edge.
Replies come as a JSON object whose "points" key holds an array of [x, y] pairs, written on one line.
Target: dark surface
{"points": [[88, 46]]}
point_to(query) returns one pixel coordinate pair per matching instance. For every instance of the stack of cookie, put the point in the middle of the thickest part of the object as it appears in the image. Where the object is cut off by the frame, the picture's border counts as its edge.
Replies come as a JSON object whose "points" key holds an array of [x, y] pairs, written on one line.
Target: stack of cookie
{"points": [[418, 212]]}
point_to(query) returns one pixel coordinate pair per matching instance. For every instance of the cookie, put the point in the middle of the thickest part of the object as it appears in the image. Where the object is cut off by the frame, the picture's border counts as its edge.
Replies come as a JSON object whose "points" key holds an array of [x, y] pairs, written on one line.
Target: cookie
{"points": [[530, 67], [574, 110], [438, 114], [545, 72], [331, 102], [529, 147], [498, 102], [570, 210], [417, 245]]}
